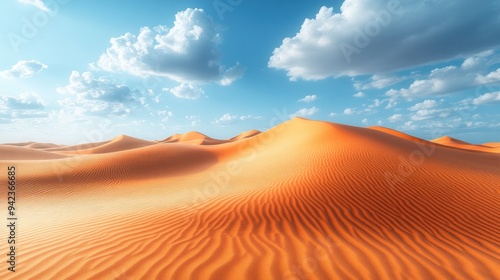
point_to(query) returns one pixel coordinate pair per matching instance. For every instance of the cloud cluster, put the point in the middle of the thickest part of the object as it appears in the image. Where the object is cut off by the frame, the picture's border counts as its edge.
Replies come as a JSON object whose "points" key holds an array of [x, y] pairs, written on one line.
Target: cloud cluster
{"points": [[377, 37], [187, 53], [24, 69], [98, 96], [474, 72], [25, 101], [187, 91], [24, 106]]}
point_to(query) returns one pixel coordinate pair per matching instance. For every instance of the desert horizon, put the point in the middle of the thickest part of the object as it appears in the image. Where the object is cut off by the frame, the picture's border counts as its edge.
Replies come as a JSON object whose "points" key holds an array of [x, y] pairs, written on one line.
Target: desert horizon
{"points": [[252, 140], [303, 200]]}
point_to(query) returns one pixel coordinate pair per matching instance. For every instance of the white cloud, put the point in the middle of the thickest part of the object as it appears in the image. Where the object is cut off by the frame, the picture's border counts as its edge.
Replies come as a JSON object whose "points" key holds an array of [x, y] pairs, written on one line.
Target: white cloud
{"points": [[24, 69], [426, 104], [25, 101], [37, 3], [349, 111], [359, 94], [86, 86], [187, 91], [379, 82], [487, 98], [425, 114], [188, 52], [24, 106], [195, 120], [452, 78], [305, 112], [99, 96], [308, 98], [364, 121], [395, 118], [231, 119], [408, 126], [491, 77], [376, 36], [333, 114]]}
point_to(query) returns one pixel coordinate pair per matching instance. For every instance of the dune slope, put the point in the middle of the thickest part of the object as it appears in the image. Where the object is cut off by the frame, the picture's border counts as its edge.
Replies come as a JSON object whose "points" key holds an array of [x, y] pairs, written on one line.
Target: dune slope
{"points": [[303, 200]]}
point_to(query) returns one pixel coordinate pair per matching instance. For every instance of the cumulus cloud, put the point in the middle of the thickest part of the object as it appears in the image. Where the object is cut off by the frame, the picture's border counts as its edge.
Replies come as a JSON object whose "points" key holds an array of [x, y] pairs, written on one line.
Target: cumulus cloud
{"points": [[304, 112], [24, 69], [376, 37], [188, 52], [359, 94], [426, 104], [37, 3], [395, 118], [349, 111], [231, 119], [25, 101], [24, 106], [425, 114], [98, 96], [187, 91], [308, 98], [471, 73], [86, 86], [487, 98]]}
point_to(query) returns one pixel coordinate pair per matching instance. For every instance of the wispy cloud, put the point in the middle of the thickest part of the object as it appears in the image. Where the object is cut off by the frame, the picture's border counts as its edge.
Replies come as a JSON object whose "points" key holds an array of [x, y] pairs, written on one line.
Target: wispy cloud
{"points": [[24, 69], [37, 3]]}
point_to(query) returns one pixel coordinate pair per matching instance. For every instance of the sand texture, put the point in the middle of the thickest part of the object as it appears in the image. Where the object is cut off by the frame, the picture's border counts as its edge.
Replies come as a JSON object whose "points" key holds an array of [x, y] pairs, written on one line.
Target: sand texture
{"points": [[302, 200]]}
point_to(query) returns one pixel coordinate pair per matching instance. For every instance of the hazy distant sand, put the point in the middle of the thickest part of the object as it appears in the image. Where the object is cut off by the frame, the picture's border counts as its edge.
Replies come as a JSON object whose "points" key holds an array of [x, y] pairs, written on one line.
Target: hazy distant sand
{"points": [[303, 200]]}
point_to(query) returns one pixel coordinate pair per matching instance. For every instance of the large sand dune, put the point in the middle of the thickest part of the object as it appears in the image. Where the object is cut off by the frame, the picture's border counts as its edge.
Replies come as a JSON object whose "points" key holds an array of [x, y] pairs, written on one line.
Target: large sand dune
{"points": [[303, 200]]}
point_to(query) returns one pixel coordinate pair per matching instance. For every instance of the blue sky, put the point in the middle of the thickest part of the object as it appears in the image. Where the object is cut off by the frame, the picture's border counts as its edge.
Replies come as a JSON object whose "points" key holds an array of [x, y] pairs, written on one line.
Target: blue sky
{"points": [[73, 71]]}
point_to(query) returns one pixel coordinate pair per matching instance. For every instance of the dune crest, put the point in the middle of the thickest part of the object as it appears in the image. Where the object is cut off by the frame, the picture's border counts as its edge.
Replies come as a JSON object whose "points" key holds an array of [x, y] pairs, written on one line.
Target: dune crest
{"points": [[302, 200]]}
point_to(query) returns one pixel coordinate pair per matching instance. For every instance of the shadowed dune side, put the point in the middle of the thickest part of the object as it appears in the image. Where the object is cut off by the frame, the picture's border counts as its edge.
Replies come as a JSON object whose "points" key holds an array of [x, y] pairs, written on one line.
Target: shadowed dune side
{"points": [[120, 143], [117, 168], [396, 133], [337, 202], [246, 134]]}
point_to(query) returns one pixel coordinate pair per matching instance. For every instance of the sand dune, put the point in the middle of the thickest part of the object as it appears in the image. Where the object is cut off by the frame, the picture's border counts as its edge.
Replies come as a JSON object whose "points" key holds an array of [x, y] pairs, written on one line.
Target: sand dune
{"points": [[120, 143], [12, 152], [455, 143], [193, 137], [246, 134], [303, 200]]}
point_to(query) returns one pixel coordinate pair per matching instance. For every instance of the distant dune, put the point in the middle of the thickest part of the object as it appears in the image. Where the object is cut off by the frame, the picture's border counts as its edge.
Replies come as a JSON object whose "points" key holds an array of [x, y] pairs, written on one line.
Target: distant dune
{"points": [[303, 200]]}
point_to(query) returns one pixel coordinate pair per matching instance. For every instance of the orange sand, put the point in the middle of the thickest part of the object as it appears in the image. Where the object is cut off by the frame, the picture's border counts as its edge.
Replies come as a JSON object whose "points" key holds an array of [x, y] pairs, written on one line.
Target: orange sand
{"points": [[303, 200]]}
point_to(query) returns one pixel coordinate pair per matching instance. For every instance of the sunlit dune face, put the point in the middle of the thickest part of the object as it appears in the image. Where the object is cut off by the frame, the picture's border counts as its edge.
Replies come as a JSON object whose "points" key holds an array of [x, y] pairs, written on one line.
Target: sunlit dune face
{"points": [[303, 200]]}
